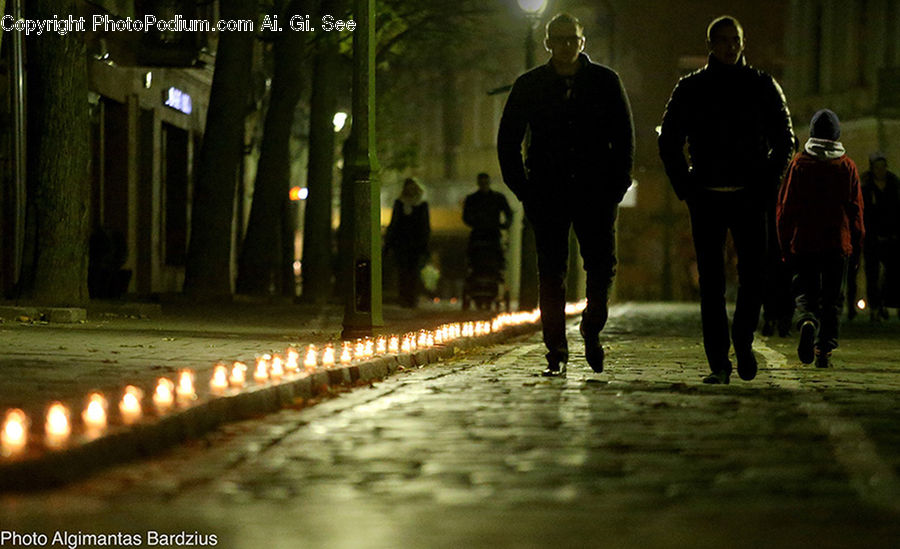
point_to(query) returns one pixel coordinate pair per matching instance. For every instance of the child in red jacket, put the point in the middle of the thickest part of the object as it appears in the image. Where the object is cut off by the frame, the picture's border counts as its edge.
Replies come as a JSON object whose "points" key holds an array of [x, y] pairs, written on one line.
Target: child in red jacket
{"points": [[820, 225]]}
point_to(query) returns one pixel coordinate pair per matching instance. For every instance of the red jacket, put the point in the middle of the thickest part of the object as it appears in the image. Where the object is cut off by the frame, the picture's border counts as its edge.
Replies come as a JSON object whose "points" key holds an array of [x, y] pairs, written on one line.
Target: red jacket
{"points": [[820, 207]]}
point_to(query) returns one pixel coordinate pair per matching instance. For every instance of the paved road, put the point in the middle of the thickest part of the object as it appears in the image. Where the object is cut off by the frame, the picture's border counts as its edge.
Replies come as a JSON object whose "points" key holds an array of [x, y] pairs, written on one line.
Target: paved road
{"points": [[480, 452]]}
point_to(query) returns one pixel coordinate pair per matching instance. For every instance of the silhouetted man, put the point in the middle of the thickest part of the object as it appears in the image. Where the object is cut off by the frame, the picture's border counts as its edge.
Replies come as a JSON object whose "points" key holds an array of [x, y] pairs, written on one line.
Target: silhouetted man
{"points": [[576, 170], [738, 130]]}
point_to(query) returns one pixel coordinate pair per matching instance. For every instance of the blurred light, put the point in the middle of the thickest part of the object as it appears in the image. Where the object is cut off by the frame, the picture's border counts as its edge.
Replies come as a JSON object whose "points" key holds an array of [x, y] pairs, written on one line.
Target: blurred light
{"points": [[185, 388], [15, 432], [219, 381], [861, 304], [148, 79], [532, 7], [94, 414], [130, 406], [658, 130], [298, 193], [57, 426], [276, 369], [163, 397], [340, 118]]}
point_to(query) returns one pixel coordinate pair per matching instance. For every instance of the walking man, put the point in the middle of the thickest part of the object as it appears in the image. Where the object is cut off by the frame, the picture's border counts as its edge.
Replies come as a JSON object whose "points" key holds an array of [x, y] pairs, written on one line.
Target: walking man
{"points": [[738, 130], [575, 172]]}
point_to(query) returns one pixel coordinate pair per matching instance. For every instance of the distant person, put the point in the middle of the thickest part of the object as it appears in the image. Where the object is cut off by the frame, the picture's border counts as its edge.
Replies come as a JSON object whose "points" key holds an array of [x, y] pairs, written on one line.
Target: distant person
{"points": [[736, 124], [820, 226], [488, 213], [881, 251], [407, 239], [576, 170]]}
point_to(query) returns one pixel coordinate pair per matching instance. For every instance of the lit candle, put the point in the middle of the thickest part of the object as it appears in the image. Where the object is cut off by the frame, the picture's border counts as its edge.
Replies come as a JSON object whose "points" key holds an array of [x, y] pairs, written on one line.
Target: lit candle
{"points": [[394, 344], [422, 341], [185, 389], [368, 348], [14, 436], [261, 374], [360, 350], [163, 396], [429, 340], [345, 353], [57, 426], [276, 370], [94, 414], [406, 346], [439, 336], [312, 359], [291, 364], [219, 381], [328, 356], [238, 374], [380, 345], [130, 406]]}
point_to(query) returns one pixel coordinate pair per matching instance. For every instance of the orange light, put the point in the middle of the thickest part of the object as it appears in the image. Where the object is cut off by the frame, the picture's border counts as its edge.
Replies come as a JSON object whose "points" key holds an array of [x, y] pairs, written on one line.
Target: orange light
{"points": [[15, 432], [276, 369], [328, 356], [261, 374], [130, 406], [298, 193], [219, 381], [185, 389], [163, 396], [291, 363], [238, 374], [94, 414], [57, 426]]}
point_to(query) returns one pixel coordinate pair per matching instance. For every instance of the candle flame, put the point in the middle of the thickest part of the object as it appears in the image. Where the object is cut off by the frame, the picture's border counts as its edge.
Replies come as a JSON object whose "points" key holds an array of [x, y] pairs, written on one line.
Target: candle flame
{"points": [[394, 344], [261, 374], [163, 396], [380, 345], [57, 425], [94, 414], [328, 356], [185, 389], [130, 406], [360, 350], [238, 374], [291, 364], [276, 370], [312, 359], [14, 435], [345, 353], [219, 381]]}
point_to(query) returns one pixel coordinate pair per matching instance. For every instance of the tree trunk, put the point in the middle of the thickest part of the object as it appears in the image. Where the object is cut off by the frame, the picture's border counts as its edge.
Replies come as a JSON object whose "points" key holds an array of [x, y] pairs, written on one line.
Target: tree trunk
{"points": [[317, 233], [208, 266], [261, 262], [2, 12], [55, 273]]}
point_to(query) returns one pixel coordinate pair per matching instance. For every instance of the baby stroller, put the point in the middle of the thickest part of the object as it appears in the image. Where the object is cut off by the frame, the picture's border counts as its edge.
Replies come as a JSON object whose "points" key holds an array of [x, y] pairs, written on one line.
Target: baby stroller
{"points": [[484, 278]]}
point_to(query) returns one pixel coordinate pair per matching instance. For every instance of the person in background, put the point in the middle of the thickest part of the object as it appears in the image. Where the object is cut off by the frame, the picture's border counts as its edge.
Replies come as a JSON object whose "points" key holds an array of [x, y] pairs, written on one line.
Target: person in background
{"points": [[407, 239], [881, 253], [820, 226]]}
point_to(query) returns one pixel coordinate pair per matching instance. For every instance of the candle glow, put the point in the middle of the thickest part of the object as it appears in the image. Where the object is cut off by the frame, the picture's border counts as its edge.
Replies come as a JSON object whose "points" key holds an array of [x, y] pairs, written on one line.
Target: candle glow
{"points": [[14, 435], [380, 345], [94, 414], [394, 344], [328, 356], [291, 364], [276, 370], [130, 406], [163, 396], [345, 353], [57, 427], [311, 360], [219, 381], [185, 389], [261, 373]]}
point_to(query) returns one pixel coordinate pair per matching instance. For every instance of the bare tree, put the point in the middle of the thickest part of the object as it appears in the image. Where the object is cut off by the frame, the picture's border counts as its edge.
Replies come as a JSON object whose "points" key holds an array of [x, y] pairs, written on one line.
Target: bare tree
{"points": [[56, 265], [207, 270], [263, 263]]}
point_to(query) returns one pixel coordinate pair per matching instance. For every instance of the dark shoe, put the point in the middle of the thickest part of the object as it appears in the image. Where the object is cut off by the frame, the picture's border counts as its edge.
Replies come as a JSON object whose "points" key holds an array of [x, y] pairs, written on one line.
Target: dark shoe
{"points": [[718, 378], [555, 369], [593, 351], [805, 349], [822, 359], [746, 364], [768, 328]]}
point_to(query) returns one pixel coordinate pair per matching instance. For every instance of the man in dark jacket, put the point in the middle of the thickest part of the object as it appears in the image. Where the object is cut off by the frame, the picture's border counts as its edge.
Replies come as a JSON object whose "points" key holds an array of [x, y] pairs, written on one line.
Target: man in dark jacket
{"points": [[738, 129], [576, 171], [881, 194], [487, 212]]}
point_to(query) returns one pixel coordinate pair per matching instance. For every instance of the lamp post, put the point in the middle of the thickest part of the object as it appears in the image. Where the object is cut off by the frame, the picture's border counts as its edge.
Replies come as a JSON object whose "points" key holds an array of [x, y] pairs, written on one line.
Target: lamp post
{"points": [[362, 294], [528, 276]]}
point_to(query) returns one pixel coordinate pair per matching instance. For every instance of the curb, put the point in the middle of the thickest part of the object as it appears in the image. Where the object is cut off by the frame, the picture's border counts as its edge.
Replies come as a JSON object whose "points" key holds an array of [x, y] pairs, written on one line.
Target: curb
{"points": [[50, 314], [155, 434]]}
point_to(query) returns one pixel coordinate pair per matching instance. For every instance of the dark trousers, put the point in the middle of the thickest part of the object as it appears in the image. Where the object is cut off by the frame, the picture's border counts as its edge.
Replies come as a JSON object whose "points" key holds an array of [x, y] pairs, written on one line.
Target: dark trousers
{"points": [[713, 214], [409, 281], [594, 224], [818, 281]]}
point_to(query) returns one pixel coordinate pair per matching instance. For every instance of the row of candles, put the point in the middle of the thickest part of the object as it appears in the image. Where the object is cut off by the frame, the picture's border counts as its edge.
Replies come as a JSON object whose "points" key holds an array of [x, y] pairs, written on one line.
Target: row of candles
{"points": [[227, 379]]}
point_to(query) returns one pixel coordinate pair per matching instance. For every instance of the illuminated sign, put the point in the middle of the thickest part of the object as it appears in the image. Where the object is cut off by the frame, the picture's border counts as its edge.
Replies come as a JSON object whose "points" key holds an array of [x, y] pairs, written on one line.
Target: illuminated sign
{"points": [[178, 100]]}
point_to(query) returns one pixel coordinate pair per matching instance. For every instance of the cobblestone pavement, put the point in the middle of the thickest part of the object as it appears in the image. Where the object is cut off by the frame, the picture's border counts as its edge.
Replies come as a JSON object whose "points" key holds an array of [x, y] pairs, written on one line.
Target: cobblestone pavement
{"points": [[480, 452]]}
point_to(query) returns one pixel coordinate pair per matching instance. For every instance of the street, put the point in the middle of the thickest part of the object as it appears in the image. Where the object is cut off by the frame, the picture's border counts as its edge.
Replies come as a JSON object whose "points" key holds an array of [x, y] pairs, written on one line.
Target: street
{"points": [[479, 451]]}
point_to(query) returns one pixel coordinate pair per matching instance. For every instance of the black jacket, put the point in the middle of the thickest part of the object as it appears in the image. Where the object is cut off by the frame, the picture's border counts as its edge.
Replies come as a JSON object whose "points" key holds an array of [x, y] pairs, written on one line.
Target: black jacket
{"points": [[581, 132], [737, 126], [483, 211], [882, 209]]}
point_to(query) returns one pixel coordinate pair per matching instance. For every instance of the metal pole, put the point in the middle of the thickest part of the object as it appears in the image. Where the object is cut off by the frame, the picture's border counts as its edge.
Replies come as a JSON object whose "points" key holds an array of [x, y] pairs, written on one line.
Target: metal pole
{"points": [[528, 275], [362, 305], [19, 158]]}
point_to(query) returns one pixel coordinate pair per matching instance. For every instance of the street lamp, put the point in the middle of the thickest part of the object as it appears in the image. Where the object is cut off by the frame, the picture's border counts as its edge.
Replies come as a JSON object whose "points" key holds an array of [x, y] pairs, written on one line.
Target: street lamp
{"points": [[528, 279]]}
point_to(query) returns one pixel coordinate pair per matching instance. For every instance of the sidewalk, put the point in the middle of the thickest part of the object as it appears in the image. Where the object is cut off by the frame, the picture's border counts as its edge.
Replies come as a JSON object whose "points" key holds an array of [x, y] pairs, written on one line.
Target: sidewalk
{"points": [[42, 362]]}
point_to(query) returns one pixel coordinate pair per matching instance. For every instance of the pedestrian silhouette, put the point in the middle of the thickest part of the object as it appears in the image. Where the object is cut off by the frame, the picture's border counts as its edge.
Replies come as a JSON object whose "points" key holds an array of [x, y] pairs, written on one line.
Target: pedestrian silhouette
{"points": [[576, 170], [487, 212], [406, 240], [820, 226], [738, 129]]}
